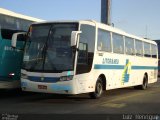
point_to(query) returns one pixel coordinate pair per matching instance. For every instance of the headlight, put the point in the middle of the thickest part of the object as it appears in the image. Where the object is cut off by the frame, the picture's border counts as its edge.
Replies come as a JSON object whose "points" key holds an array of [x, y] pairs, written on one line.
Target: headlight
{"points": [[66, 78], [24, 76], [11, 75]]}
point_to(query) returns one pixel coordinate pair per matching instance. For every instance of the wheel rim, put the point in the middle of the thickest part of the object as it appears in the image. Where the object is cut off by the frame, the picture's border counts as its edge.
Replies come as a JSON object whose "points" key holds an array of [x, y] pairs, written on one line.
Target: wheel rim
{"points": [[145, 84], [99, 89]]}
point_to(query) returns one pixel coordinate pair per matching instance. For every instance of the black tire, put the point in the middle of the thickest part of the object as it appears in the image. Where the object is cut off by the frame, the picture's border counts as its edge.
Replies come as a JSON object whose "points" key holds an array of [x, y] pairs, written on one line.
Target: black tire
{"points": [[144, 84], [98, 90]]}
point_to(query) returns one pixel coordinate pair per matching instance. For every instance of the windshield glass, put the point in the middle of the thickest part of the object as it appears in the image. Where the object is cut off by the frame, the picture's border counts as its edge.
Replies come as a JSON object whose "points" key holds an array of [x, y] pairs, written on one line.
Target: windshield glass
{"points": [[48, 48]]}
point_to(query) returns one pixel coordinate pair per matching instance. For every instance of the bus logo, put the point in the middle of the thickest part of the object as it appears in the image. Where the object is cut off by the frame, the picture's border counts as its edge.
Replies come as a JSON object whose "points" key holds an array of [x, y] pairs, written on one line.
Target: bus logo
{"points": [[126, 72], [42, 78]]}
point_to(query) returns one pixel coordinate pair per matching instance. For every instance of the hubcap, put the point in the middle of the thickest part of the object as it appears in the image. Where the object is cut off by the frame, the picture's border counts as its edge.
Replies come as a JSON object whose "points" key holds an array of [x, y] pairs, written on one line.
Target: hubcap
{"points": [[99, 89], [145, 84]]}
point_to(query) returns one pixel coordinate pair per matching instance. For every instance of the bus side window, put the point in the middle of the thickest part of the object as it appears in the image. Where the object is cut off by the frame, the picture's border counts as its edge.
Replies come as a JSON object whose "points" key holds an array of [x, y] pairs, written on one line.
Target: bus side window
{"points": [[11, 25], [139, 48], [118, 43], [129, 46], [104, 41], [154, 51], [147, 50]]}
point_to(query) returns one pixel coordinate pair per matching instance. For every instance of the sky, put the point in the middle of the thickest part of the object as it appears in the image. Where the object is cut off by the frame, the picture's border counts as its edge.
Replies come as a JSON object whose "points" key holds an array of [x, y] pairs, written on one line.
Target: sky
{"points": [[138, 17]]}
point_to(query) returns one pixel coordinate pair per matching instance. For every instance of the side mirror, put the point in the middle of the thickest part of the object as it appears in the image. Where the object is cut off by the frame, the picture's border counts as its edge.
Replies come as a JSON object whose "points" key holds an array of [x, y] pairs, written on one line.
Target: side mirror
{"points": [[14, 38], [74, 37]]}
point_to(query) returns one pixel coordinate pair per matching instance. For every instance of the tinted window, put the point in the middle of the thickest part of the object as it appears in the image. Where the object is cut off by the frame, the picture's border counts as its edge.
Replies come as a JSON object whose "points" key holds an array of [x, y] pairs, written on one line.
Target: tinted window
{"points": [[154, 51], [8, 22], [83, 57], [104, 41], [139, 48], [48, 48], [7, 33], [10, 25], [86, 49], [21, 37], [59, 54], [118, 43], [147, 50], [129, 46]]}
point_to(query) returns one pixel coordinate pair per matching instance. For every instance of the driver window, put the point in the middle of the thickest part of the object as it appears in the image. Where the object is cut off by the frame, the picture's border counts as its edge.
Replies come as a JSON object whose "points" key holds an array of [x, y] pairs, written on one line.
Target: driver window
{"points": [[86, 49], [82, 56]]}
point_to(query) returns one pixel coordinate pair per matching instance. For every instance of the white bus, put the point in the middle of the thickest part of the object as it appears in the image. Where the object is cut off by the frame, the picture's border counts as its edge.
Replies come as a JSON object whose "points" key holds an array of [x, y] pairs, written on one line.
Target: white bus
{"points": [[74, 57], [11, 59]]}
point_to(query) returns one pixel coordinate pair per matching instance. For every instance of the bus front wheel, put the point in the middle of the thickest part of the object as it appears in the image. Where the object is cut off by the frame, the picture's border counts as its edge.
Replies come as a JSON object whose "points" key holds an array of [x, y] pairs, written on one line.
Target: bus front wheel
{"points": [[98, 90]]}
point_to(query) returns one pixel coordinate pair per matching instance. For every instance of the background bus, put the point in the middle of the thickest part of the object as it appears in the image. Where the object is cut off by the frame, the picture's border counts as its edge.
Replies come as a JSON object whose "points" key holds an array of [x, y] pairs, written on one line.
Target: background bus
{"points": [[86, 57], [11, 59], [158, 44]]}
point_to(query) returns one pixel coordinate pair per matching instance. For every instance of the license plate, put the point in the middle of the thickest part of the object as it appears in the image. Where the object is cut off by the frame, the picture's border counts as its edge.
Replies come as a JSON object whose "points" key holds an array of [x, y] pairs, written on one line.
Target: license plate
{"points": [[43, 87]]}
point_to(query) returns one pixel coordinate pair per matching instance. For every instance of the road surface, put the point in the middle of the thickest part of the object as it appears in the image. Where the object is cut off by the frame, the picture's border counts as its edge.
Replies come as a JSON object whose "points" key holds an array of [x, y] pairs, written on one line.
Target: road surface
{"points": [[120, 101]]}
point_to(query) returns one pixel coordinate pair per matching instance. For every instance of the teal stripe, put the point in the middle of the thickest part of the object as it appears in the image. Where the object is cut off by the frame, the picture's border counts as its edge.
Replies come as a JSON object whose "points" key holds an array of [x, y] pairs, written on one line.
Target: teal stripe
{"points": [[99, 66], [144, 67], [108, 66]]}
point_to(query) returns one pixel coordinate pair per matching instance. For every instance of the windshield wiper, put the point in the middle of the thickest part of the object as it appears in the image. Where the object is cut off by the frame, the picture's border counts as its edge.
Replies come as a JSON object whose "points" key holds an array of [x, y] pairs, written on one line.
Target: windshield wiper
{"points": [[40, 56]]}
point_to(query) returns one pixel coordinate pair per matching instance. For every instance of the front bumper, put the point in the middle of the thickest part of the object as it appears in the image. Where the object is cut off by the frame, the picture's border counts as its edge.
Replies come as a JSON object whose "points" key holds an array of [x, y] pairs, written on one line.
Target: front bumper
{"points": [[65, 87]]}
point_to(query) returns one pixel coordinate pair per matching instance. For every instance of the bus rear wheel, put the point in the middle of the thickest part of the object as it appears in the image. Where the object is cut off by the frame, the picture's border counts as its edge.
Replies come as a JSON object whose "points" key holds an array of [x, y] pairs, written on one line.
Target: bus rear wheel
{"points": [[98, 90], [144, 84]]}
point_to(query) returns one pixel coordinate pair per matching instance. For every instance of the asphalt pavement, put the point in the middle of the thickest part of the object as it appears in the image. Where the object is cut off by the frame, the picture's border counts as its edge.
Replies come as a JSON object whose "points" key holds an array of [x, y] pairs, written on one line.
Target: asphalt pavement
{"points": [[119, 101]]}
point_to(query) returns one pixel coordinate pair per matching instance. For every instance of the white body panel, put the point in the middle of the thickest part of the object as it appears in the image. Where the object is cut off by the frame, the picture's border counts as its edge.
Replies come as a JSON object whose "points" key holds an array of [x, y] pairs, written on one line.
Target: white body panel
{"points": [[112, 70]]}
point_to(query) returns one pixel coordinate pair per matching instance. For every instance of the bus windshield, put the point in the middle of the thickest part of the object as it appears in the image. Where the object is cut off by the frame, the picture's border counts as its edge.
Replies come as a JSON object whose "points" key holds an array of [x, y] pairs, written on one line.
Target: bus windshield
{"points": [[48, 48]]}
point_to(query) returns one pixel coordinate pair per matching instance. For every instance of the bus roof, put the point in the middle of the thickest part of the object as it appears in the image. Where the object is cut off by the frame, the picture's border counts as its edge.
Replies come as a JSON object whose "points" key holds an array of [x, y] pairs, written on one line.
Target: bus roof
{"points": [[17, 15], [103, 26]]}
